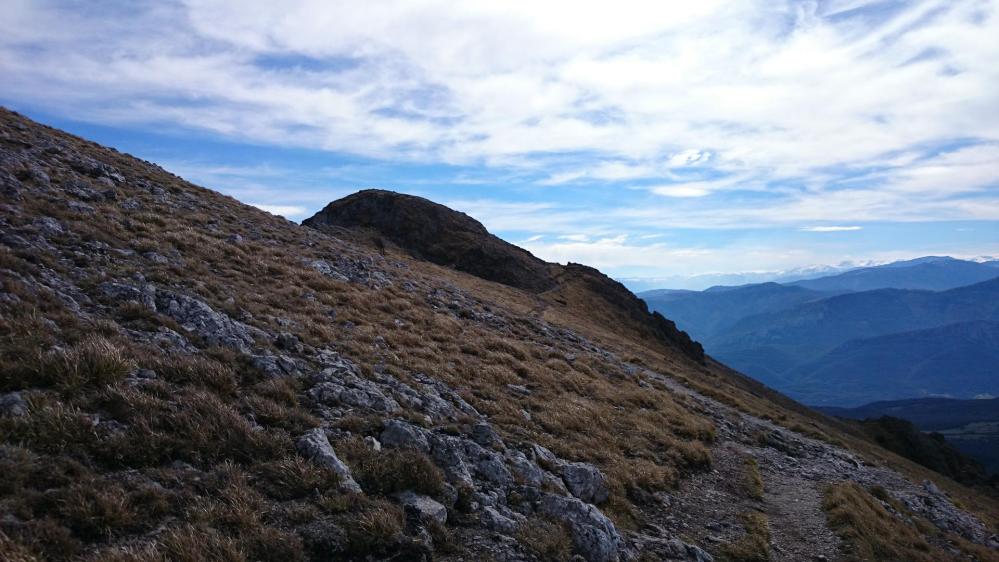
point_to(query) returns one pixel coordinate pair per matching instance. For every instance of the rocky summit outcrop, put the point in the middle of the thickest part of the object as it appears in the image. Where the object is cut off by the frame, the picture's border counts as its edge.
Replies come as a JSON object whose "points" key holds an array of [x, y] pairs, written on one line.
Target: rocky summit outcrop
{"points": [[183, 377], [447, 237], [436, 233]]}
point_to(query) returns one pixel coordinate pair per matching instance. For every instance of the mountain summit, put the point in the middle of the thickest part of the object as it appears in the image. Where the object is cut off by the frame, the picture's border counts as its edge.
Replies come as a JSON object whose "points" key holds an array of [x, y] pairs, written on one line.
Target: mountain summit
{"points": [[438, 234], [431, 231]]}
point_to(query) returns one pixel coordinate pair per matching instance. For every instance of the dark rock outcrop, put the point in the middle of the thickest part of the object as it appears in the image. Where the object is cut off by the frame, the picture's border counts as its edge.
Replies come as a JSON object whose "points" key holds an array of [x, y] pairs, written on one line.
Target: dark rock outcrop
{"points": [[437, 234]]}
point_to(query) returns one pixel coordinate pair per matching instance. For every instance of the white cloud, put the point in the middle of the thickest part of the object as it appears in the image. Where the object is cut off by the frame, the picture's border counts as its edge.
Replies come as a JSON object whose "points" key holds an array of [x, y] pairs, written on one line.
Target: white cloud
{"points": [[831, 228], [684, 190], [287, 211], [688, 158], [762, 86]]}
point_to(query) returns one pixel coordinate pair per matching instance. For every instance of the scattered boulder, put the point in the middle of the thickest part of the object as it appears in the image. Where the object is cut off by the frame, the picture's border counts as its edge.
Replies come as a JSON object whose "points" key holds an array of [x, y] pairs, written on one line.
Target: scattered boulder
{"points": [[315, 445], [123, 293], [483, 434], [48, 226], [402, 435], [448, 453], [593, 534], [276, 366], [426, 508], [214, 328], [344, 388], [675, 549], [493, 520], [586, 482], [12, 404]]}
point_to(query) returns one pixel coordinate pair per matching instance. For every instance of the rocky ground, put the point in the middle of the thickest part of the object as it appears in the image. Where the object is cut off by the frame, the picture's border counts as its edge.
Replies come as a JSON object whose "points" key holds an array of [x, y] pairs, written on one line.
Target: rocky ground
{"points": [[795, 470]]}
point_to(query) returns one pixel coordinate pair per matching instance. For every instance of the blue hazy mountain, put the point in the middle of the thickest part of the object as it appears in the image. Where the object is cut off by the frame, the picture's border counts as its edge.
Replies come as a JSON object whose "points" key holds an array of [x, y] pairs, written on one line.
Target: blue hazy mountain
{"points": [[959, 360], [703, 314], [934, 273], [837, 346]]}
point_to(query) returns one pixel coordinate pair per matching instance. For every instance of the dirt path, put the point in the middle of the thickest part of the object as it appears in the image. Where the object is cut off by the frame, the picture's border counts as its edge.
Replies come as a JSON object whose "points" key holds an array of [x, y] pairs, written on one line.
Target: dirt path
{"points": [[797, 523], [795, 470]]}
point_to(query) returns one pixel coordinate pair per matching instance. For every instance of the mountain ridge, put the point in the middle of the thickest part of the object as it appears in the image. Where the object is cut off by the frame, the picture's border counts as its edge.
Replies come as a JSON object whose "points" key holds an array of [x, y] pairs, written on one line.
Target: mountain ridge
{"points": [[431, 231]]}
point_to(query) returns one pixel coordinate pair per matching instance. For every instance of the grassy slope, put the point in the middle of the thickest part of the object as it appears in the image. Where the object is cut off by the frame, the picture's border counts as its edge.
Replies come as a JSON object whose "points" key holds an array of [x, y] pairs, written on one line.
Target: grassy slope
{"points": [[240, 489]]}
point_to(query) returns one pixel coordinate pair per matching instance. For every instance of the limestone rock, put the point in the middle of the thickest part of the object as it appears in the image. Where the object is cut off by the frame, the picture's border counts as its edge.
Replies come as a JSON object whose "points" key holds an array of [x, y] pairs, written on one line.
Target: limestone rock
{"points": [[214, 328], [402, 435], [427, 508], [12, 404], [586, 482], [593, 534], [314, 445]]}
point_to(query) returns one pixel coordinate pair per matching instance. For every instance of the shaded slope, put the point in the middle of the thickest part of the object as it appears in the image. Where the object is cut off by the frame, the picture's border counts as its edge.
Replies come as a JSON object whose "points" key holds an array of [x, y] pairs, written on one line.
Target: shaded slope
{"points": [[929, 414]]}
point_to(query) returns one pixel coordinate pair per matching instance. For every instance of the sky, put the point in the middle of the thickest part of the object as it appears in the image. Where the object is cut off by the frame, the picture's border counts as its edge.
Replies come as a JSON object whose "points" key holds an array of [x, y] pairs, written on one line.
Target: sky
{"points": [[652, 139]]}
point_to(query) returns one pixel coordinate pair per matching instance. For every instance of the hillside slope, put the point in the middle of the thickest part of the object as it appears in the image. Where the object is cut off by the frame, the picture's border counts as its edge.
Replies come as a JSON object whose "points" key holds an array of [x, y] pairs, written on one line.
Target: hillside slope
{"points": [[972, 426], [188, 378]]}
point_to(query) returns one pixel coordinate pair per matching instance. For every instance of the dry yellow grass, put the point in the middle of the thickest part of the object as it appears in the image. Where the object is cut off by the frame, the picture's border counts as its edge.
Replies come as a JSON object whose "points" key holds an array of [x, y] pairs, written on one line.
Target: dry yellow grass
{"points": [[583, 406]]}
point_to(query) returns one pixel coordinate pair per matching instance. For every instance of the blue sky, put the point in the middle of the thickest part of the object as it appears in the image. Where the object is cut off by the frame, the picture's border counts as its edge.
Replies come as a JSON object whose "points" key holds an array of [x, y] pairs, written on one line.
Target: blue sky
{"points": [[650, 139]]}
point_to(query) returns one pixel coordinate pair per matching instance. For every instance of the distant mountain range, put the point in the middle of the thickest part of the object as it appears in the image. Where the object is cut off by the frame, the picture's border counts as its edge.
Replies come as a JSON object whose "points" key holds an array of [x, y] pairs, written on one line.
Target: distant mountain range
{"points": [[932, 273], [702, 281], [909, 329]]}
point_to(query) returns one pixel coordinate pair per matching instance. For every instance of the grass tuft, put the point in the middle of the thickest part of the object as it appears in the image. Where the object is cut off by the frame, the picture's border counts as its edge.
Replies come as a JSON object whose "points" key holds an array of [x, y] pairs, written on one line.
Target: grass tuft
{"points": [[754, 546], [546, 539]]}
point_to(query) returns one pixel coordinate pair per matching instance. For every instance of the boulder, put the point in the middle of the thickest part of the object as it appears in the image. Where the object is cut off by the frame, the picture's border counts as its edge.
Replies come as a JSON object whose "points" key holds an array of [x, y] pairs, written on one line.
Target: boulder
{"points": [[494, 470], [492, 519], [342, 387], [197, 317], [675, 549], [13, 404], [485, 435], [593, 534], [401, 435], [448, 453], [276, 366], [525, 470], [586, 482], [426, 508], [122, 293], [315, 445]]}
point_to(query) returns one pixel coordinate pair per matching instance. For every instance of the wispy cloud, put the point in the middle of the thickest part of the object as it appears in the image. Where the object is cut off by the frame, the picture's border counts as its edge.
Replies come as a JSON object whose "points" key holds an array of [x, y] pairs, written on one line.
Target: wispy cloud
{"points": [[830, 228], [640, 116], [286, 211]]}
